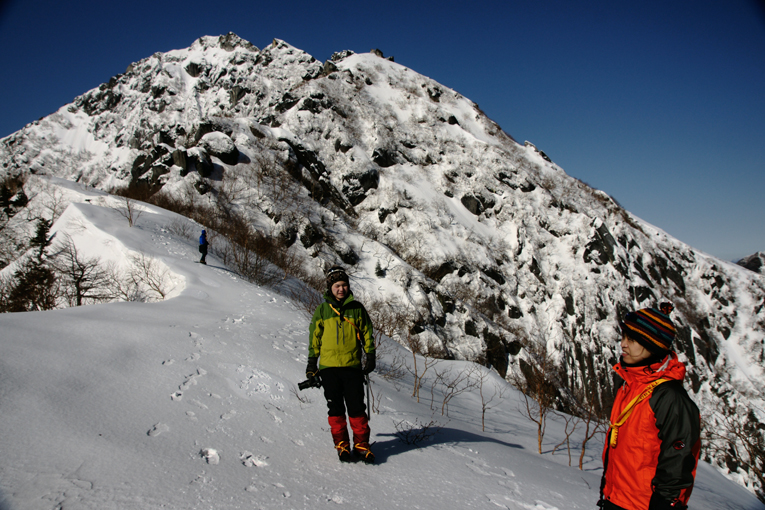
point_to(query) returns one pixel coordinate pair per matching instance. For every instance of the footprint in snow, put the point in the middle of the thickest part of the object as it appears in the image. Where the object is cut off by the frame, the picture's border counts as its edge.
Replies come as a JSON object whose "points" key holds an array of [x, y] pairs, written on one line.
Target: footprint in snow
{"points": [[199, 404], [191, 380], [228, 415], [210, 455], [504, 501], [286, 494], [158, 429], [478, 470], [512, 486], [197, 339], [250, 460]]}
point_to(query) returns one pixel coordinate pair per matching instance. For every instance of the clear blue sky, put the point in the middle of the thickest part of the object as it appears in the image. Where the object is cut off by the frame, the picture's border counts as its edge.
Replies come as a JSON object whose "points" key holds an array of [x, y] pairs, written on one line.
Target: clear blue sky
{"points": [[661, 104]]}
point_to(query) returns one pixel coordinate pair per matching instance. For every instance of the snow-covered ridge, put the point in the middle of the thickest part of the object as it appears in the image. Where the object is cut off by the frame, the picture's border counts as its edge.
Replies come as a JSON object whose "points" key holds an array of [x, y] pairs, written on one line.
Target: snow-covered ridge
{"points": [[188, 403], [485, 242]]}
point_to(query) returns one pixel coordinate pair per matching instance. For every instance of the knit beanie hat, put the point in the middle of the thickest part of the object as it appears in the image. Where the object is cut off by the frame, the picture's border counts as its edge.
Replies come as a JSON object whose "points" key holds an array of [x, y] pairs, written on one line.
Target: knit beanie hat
{"points": [[334, 275], [651, 328]]}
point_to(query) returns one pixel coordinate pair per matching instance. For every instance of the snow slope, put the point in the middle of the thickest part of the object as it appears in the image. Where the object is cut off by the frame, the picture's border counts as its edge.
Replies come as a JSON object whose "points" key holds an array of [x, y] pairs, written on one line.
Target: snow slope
{"points": [[485, 243], [111, 407]]}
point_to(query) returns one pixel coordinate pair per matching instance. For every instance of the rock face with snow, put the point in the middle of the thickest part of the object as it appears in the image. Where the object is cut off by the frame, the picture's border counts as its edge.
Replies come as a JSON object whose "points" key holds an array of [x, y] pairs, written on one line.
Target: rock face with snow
{"points": [[483, 242], [755, 262]]}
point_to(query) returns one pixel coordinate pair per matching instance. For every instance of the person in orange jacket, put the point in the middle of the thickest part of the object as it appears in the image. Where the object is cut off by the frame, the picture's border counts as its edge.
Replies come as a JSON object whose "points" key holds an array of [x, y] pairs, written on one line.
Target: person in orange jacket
{"points": [[652, 446]]}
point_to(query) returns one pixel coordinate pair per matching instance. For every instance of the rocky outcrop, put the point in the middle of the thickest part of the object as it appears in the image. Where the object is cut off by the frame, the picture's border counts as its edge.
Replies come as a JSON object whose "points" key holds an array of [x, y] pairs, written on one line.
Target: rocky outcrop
{"points": [[220, 146], [755, 262]]}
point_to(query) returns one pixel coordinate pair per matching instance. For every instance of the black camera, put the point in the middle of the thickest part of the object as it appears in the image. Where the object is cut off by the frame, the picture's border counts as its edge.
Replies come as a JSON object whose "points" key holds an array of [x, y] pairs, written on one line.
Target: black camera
{"points": [[311, 382]]}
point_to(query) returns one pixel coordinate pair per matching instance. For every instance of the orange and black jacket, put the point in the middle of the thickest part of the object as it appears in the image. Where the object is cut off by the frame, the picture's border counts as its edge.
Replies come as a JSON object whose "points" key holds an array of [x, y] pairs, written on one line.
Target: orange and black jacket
{"points": [[650, 460]]}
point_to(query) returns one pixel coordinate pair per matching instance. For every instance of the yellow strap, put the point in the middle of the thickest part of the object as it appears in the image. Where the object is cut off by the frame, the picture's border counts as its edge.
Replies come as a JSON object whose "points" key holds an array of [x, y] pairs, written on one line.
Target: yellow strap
{"points": [[358, 332], [343, 446], [614, 427]]}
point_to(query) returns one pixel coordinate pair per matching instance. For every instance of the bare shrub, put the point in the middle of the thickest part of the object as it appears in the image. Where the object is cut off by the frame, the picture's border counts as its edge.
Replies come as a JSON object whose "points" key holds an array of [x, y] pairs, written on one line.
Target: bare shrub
{"points": [[415, 433], [593, 414], [124, 287], [147, 273], [255, 255], [135, 191], [412, 248], [182, 229], [6, 285], [538, 385], [422, 359], [83, 280], [453, 384], [53, 200], [304, 399], [390, 320], [733, 435], [308, 298], [129, 210], [487, 400], [570, 425]]}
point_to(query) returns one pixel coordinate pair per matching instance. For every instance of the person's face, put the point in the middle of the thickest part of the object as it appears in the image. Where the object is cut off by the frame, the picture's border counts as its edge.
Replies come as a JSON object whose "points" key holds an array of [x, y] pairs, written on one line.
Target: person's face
{"points": [[340, 290], [632, 351]]}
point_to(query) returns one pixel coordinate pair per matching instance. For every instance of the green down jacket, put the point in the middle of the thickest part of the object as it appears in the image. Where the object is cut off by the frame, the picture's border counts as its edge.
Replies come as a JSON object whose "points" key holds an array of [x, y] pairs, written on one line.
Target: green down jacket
{"points": [[338, 332]]}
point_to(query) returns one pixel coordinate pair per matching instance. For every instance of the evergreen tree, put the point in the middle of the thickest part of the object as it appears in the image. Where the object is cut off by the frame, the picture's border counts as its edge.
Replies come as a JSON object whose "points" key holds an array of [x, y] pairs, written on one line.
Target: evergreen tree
{"points": [[35, 286], [21, 199], [5, 196], [5, 200], [41, 239]]}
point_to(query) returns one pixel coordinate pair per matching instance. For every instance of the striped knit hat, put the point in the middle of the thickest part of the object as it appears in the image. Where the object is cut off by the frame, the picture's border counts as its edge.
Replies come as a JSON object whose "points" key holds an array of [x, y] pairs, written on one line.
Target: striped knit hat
{"points": [[651, 328], [334, 275]]}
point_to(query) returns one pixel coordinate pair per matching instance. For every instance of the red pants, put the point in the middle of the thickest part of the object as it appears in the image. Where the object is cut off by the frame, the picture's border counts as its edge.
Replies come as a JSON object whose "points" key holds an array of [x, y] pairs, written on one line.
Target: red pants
{"points": [[344, 388]]}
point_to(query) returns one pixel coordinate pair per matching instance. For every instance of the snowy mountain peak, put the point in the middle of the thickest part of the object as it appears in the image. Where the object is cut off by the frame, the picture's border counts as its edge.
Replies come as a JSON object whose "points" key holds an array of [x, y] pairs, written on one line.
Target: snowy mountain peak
{"points": [[485, 246]]}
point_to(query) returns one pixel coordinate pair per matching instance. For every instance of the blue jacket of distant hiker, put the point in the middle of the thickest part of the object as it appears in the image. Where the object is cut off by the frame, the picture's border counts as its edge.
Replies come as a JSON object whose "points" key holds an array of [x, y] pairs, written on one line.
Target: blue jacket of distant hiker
{"points": [[339, 332], [203, 242]]}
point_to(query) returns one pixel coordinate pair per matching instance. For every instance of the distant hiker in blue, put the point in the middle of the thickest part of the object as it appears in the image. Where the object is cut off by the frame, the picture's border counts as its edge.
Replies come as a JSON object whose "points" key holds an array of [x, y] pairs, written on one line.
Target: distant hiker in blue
{"points": [[203, 247]]}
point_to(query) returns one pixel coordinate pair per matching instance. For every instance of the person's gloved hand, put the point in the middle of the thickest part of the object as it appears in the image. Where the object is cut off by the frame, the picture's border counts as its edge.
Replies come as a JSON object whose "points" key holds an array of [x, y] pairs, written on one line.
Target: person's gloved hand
{"points": [[658, 502], [312, 369], [369, 365]]}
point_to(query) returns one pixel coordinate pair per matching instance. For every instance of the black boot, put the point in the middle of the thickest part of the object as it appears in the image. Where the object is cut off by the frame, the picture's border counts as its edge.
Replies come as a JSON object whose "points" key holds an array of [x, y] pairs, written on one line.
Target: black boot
{"points": [[362, 451], [343, 451]]}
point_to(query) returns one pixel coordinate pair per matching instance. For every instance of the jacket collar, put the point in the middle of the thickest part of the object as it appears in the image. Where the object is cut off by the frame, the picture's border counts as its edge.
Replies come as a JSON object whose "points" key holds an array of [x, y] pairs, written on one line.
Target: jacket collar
{"points": [[668, 368], [329, 298]]}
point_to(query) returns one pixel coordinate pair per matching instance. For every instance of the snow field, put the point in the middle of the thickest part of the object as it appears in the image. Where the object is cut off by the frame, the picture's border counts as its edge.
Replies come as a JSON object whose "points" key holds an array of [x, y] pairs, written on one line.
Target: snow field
{"points": [[191, 403]]}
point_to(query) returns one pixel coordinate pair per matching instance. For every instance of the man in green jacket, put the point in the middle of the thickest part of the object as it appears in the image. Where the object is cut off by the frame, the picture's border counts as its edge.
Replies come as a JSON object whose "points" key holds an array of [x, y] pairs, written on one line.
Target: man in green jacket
{"points": [[340, 330]]}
